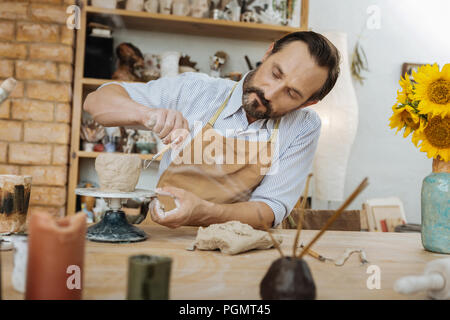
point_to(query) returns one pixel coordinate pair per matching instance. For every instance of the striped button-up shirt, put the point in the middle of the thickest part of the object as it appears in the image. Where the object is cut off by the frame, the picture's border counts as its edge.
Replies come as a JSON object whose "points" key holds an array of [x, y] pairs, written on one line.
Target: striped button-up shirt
{"points": [[198, 96]]}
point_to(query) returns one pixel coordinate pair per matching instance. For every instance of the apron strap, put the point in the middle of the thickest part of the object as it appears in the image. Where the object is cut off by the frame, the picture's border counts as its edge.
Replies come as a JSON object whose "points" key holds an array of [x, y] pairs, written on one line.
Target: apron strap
{"points": [[274, 134], [219, 111]]}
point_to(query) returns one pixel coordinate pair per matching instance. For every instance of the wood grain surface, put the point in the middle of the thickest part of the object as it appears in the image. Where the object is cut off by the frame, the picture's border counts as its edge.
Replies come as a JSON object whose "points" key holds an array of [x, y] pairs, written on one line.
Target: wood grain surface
{"points": [[213, 275]]}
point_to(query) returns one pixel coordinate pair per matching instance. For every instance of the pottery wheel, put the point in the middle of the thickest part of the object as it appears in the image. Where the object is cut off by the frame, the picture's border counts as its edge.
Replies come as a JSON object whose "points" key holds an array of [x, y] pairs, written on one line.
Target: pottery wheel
{"points": [[114, 227]]}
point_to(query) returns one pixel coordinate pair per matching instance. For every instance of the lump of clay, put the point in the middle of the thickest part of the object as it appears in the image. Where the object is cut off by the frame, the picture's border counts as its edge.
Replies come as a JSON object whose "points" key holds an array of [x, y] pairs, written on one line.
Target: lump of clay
{"points": [[233, 237], [118, 172]]}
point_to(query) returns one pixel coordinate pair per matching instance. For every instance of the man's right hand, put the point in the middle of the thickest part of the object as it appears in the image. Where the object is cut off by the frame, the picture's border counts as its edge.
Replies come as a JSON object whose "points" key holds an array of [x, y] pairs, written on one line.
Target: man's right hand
{"points": [[166, 123]]}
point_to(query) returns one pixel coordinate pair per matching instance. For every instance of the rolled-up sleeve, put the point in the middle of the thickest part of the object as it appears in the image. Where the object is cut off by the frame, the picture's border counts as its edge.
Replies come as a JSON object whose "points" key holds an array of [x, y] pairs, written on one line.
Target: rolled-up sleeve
{"points": [[162, 93], [282, 186]]}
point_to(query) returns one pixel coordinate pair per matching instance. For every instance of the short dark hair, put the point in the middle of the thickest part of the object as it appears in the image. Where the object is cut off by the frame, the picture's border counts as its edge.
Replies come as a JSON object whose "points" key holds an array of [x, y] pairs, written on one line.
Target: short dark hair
{"points": [[323, 51]]}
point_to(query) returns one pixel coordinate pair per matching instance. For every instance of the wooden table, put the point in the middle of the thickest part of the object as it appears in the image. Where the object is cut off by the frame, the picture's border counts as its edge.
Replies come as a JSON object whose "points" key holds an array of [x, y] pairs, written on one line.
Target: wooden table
{"points": [[213, 275]]}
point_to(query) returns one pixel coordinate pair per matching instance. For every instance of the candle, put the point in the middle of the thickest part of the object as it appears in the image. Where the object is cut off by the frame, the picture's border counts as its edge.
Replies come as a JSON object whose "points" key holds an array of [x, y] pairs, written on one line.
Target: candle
{"points": [[55, 257]]}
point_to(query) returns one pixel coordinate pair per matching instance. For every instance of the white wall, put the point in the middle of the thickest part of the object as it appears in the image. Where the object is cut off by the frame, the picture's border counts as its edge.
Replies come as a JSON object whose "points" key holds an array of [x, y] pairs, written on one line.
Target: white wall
{"points": [[411, 31]]}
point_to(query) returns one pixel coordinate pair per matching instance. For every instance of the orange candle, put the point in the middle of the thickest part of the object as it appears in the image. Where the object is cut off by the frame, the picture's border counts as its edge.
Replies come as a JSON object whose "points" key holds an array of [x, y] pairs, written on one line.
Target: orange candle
{"points": [[55, 257]]}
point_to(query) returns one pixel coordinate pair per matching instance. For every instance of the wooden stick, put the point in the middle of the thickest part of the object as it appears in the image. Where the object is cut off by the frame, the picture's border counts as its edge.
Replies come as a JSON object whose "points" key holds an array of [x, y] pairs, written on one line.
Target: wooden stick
{"points": [[338, 212], [314, 254], [300, 216], [275, 242]]}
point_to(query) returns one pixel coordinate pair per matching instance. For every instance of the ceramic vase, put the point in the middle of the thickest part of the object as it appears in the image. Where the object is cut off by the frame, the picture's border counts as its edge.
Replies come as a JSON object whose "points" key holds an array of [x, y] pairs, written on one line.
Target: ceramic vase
{"points": [[436, 208]]}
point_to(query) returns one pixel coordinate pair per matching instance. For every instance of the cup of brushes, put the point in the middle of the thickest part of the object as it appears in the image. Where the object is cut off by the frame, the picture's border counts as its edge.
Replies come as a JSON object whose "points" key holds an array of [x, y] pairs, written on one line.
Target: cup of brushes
{"points": [[290, 278]]}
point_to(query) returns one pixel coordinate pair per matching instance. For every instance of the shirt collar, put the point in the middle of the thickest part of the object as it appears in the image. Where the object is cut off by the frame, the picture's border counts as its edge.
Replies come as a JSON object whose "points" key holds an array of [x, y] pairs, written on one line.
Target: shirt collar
{"points": [[235, 102]]}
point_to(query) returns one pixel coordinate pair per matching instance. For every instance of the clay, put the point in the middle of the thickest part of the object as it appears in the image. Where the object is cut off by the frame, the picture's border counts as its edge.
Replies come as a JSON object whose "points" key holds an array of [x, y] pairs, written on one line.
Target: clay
{"points": [[14, 200], [118, 172], [288, 279], [232, 237]]}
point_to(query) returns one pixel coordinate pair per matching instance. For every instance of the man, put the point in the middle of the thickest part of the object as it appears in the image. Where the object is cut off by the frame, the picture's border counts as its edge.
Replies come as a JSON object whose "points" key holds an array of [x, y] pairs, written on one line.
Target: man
{"points": [[297, 71]]}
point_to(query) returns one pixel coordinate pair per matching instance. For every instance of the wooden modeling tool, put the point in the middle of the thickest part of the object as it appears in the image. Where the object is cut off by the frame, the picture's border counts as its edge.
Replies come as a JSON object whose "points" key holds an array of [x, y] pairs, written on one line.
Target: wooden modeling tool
{"points": [[289, 278], [163, 150]]}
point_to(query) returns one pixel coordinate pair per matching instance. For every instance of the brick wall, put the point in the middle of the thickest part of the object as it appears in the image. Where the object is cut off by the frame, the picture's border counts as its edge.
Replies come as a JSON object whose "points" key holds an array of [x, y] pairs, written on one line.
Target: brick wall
{"points": [[36, 48]]}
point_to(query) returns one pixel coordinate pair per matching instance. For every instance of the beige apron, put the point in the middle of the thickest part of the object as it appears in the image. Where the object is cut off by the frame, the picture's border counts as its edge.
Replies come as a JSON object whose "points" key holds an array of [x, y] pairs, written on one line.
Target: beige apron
{"points": [[221, 170]]}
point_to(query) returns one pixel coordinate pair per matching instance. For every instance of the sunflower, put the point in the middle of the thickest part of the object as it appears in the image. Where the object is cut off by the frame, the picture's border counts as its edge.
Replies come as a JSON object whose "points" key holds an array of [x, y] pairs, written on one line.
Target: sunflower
{"points": [[404, 117], [407, 92], [435, 137], [433, 90]]}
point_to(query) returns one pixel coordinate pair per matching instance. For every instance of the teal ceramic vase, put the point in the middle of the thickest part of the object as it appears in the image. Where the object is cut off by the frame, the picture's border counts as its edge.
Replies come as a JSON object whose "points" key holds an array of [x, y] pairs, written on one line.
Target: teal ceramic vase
{"points": [[436, 208]]}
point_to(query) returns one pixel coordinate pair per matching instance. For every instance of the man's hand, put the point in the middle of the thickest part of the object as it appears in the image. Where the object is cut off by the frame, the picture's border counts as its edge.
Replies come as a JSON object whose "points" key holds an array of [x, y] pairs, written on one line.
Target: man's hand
{"points": [[166, 123], [185, 214]]}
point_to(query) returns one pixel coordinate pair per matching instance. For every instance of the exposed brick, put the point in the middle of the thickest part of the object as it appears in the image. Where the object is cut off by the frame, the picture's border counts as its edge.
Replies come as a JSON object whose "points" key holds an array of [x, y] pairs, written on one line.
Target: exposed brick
{"points": [[6, 30], [32, 110], [69, 1], [48, 196], [45, 132], [9, 169], [52, 52], [13, 50], [10, 130], [67, 35], [48, 13], [36, 70], [62, 112], [13, 10], [28, 153], [4, 109], [37, 32], [3, 148], [18, 90], [60, 155], [46, 175], [65, 72], [40, 90], [6, 68], [54, 211]]}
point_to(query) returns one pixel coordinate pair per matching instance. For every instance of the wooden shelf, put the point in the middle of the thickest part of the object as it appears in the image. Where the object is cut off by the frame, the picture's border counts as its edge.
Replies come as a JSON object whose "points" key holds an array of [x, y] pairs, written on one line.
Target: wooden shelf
{"points": [[86, 154], [194, 26]]}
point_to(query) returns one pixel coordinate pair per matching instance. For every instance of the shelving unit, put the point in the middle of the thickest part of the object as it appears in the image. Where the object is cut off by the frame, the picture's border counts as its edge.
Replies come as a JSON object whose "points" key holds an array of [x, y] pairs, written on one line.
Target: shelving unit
{"points": [[151, 22]]}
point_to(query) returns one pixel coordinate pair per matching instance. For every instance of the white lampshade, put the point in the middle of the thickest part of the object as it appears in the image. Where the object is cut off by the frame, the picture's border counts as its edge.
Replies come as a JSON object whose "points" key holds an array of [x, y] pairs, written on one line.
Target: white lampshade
{"points": [[339, 114]]}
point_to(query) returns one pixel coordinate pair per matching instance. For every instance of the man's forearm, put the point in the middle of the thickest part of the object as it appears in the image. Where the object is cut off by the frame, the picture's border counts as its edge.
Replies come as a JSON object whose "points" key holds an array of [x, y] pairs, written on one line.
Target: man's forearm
{"points": [[245, 212], [107, 107]]}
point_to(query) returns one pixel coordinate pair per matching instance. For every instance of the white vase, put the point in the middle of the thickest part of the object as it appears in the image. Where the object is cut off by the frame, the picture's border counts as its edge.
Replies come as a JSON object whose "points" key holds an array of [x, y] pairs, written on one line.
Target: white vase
{"points": [[135, 5], [169, 63], [107, 4], [339, 114], [151, 6]]}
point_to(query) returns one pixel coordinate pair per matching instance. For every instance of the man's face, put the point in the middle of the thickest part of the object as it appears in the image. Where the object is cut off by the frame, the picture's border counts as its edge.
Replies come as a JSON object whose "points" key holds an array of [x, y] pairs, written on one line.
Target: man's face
{"points": [[283, 82]]}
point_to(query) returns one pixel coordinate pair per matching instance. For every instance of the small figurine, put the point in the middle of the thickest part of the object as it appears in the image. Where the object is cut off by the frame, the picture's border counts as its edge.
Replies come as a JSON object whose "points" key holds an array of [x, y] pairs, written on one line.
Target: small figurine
{"points": [[186, 65], [217, 62], [91, 132], [131, 63], [200, 8]]}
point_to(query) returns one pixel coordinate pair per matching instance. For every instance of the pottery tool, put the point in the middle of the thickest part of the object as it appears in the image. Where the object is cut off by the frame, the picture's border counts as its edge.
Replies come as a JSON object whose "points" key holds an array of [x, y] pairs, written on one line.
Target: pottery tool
{"points": [[435, 281], [347, 253], [338, 212], [314, 254], [6, 88], [163, 150], [300, 216], [115, 225], [290, 277]]}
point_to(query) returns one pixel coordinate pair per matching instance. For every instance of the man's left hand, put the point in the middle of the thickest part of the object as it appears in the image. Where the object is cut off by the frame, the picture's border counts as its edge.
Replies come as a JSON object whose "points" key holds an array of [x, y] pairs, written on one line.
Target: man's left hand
{"points": [[189, 203]]}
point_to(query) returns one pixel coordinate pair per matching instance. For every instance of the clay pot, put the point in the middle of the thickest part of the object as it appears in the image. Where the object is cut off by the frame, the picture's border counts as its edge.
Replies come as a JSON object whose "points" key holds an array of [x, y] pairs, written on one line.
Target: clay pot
{"points": [[288, 279], [14, 199]]}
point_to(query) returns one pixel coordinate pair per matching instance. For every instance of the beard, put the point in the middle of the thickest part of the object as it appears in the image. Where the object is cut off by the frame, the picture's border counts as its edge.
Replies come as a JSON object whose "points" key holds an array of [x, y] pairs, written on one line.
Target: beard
{"points": [[250, 106]]}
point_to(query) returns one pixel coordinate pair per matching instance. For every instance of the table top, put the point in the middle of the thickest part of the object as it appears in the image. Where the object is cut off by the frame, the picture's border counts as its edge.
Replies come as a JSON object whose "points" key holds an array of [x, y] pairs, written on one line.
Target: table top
{"points": [[213, 275]]}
